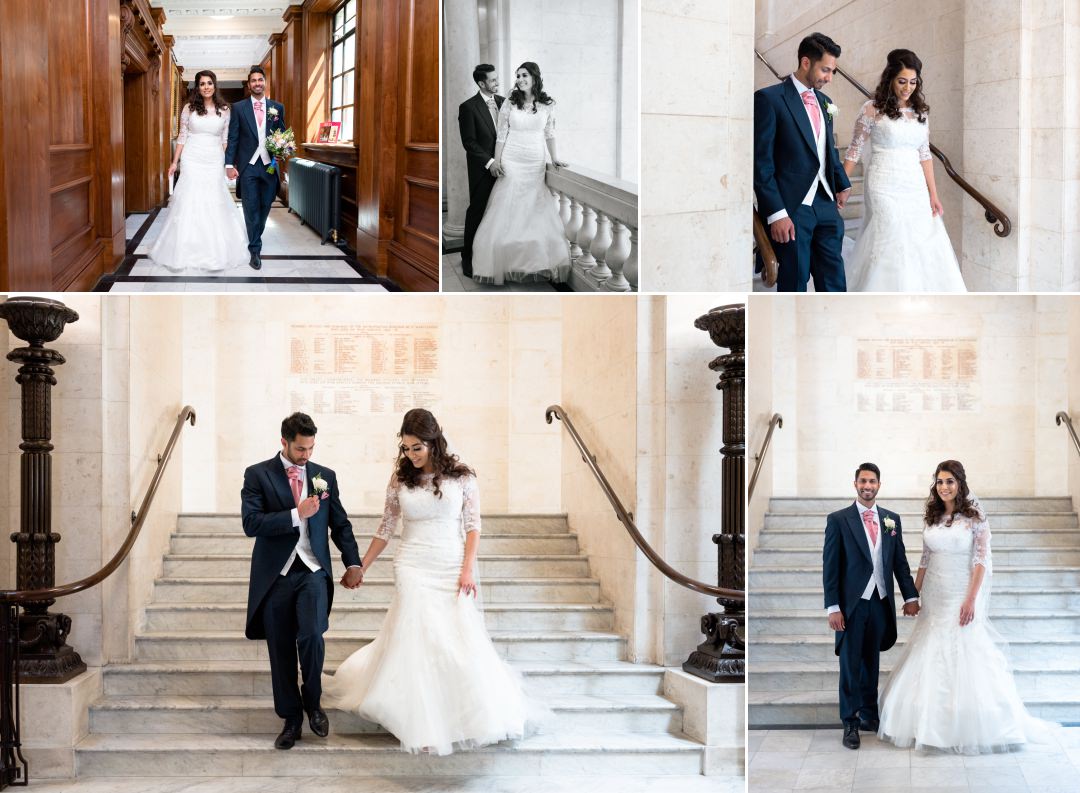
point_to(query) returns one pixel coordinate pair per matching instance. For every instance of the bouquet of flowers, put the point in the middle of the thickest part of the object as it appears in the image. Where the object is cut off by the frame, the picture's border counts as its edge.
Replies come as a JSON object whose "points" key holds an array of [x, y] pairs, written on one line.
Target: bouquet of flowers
{"points": [[280, 144]]}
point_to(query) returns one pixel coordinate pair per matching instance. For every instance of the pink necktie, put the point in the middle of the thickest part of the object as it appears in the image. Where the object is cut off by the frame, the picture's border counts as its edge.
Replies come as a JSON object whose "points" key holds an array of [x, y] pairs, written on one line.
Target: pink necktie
{"points": [[294, 482], [810, 101], [871, 525], [259, 112]]}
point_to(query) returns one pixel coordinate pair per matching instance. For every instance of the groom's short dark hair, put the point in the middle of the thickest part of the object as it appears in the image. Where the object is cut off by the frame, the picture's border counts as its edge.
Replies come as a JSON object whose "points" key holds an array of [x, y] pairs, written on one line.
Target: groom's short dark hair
{"points": [[298, 424], [480, 73], [256, 70], [816, 45], [867, 467]]}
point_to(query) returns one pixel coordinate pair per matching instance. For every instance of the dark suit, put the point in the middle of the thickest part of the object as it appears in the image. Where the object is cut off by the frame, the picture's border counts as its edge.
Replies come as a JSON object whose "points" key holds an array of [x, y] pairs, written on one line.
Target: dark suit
{"points": [[255, 187], [478, 138], [870, 625], [785, 165], [292, 611]]}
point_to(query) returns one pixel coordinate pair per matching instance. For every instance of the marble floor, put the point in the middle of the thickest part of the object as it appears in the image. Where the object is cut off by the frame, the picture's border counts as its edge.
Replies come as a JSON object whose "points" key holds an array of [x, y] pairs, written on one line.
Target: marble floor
{"points": [[294, 260], [454, 280], [814, 761]]}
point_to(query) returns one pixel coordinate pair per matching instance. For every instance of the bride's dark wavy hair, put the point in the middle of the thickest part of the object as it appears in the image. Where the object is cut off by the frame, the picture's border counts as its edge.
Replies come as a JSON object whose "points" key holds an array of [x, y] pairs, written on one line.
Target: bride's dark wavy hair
{"points": [[885, 98], [421, 424], [517, 96], [965, 504], [197, 104]]}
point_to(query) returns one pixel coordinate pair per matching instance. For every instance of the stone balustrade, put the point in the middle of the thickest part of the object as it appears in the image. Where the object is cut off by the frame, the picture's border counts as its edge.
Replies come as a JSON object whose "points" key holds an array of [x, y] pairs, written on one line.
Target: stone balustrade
{"points": [[600, 219]]}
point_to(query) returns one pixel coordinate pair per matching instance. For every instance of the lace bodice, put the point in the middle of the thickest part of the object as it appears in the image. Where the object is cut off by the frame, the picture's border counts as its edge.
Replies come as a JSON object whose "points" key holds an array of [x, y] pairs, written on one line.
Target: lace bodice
{"points": [[966, 541], [513, 120], [211, 124], [885, 133], [455, 512]]}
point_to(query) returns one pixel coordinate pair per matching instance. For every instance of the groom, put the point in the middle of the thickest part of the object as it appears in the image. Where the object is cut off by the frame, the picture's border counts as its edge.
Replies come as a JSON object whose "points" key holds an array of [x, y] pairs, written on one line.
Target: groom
{"points": [[289, 505], [864, 551], [246, 158], [477, 118], [799, 180]]}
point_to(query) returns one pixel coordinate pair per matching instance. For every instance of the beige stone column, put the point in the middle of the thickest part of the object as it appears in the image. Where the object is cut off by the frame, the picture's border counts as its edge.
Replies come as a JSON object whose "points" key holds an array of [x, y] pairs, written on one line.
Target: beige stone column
{"points": [[460, 53]]}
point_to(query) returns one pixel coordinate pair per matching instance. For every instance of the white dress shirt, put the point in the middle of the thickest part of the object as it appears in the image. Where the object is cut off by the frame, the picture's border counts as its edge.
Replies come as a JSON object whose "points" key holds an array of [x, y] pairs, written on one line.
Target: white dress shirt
{"points": [[261, 153], [820, 141], [490, 97], [877, 578], [303, 545]]}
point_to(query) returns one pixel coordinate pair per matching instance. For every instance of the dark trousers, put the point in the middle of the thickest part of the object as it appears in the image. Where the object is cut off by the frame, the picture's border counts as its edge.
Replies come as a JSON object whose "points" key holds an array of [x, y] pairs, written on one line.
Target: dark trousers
{"points": [[816, 251], [294, 617], [860, 655], [480, 186], [257, 191]]}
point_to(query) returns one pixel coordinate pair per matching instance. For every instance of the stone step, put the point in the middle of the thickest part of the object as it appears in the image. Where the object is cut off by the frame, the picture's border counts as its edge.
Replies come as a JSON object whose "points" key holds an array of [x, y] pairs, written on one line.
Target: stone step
{"points": [[1001, 537], [806, 708], [237, 543], [819, 647], [493, 590], [252, 714], [366, 524], [490, 566], [217, 678], [1003, 558], [914, 505], [1029, 576], [1002, 599], [369, 617], [173, 755], [912, 523], [1008, 621], [517, 645]]}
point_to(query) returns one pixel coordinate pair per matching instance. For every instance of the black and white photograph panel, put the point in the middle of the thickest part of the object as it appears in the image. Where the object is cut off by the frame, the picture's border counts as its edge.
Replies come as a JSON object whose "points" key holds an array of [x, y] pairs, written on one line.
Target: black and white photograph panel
{"points": [[540, 162]]}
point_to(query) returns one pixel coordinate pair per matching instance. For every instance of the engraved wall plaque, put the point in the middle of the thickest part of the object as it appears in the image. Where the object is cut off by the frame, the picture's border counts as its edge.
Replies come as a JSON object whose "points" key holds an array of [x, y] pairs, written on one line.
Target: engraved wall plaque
{"points": [[917, 376]]}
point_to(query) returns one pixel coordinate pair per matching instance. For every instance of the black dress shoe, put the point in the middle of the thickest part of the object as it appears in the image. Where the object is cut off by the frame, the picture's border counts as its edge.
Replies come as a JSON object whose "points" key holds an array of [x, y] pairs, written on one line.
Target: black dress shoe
{"points": [[255, 262], [320, 725], [289, 736], [851, 735], [868, 725]]}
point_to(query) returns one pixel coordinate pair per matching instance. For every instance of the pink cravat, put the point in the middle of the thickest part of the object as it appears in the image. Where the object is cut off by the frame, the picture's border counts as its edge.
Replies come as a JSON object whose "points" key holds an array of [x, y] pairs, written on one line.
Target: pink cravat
{"points": [[259, 112], [871, 525], [810, 101], [294, 482]]}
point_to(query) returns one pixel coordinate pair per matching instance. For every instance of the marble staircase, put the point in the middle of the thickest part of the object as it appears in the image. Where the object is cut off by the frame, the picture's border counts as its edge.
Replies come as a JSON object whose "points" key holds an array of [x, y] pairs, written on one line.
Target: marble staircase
{"points": [[196, 699], [1035, 604]]}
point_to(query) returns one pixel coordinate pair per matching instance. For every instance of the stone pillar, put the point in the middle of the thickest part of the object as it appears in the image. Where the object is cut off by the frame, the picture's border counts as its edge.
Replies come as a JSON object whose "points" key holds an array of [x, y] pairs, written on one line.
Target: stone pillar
{"points": [[460, 54]]}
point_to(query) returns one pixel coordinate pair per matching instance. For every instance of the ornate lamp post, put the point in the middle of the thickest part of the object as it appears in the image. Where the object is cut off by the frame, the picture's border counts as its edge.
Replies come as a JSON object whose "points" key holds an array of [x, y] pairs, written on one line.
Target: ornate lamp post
{"points": [[44, 656], [721, 658]]}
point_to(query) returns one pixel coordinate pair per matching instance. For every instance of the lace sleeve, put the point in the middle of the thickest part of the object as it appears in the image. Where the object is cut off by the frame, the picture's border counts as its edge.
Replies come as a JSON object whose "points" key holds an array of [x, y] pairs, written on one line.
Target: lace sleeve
{"points": [[391, 511], [924, 147], [864, 125], [980, 541], [924, 560], [225, 126], [185, 118], [549, 125], [470, 505], [502, 128]]}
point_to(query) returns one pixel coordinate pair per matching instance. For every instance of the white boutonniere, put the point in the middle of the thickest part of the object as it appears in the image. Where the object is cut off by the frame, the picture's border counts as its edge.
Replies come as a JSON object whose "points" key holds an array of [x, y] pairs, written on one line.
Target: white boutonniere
{"points": [[272, 112], [320, 487], [890, 524], [832, 110]]}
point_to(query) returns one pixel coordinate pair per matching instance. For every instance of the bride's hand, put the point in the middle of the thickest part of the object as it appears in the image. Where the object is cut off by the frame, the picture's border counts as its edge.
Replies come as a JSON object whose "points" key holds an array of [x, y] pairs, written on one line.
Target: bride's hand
{"points": [[936, 209], [560, 164], [172, 169], [467, 583], [967, 612]]}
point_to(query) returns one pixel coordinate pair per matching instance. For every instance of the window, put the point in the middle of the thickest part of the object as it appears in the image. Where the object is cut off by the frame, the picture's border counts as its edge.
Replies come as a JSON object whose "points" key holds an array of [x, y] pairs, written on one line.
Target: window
{"points": [[343, 68]]}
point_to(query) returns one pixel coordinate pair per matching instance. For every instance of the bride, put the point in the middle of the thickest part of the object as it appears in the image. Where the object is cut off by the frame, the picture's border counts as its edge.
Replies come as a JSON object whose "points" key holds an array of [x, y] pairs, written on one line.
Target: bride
{"points": [[951, 688], [903, 245], [521, 235], [203, 229], [432, 676]]}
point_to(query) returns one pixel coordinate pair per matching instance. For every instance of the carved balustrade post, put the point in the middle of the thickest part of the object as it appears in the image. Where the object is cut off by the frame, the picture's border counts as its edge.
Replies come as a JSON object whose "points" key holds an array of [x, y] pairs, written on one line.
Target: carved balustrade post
{"points": [[573, 226], [44, 656], [617, 255], [586, 234], [721, 658], [600, 245]]}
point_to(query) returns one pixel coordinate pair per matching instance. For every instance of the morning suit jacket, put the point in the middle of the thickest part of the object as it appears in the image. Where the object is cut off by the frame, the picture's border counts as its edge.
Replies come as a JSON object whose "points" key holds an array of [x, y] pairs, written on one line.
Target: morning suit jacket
{"points": [[244, 134], [785, 154], [847, 565], [266, 513], [477, 135]]}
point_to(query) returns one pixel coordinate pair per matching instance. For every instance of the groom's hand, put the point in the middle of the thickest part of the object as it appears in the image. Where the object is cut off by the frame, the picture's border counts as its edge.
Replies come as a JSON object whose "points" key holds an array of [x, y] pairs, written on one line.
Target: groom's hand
{"points": [[308, 507], [836, 621], [353, 578], [911, 609], [496, 170], [231, 172], [782, 230], [842, 197]]}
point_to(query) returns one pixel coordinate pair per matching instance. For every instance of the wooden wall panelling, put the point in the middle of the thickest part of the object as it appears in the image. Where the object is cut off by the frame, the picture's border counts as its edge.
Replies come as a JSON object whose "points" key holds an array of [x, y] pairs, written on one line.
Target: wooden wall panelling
{"points": [[108, 131], [376, 104]]}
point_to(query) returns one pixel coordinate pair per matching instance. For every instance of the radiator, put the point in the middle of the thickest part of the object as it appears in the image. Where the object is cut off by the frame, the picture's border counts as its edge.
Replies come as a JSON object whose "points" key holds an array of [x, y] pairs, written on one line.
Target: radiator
{"points": [[315, 195]]}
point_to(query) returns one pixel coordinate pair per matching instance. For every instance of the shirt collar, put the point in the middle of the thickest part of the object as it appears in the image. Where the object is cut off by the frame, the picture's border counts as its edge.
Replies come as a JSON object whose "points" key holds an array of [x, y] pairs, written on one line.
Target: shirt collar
{"points": [[485, 97], [863, 509], [802, 89], [285, 461], [264, 100]]}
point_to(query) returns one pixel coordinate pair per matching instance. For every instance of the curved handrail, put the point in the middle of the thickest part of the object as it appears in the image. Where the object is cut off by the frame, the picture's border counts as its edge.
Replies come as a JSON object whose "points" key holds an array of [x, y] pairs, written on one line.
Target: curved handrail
{"points": [[770, 264], [627, 521], [137, 520], [1002, 224], [776, 421], [1064, 418]]}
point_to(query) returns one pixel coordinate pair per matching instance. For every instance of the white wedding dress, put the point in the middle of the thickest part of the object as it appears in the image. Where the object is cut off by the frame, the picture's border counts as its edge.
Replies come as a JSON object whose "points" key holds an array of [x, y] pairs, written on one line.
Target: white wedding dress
{"points": [[203, 229], [521, 236], [432, 676], [951, 688], [901, 247]]}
